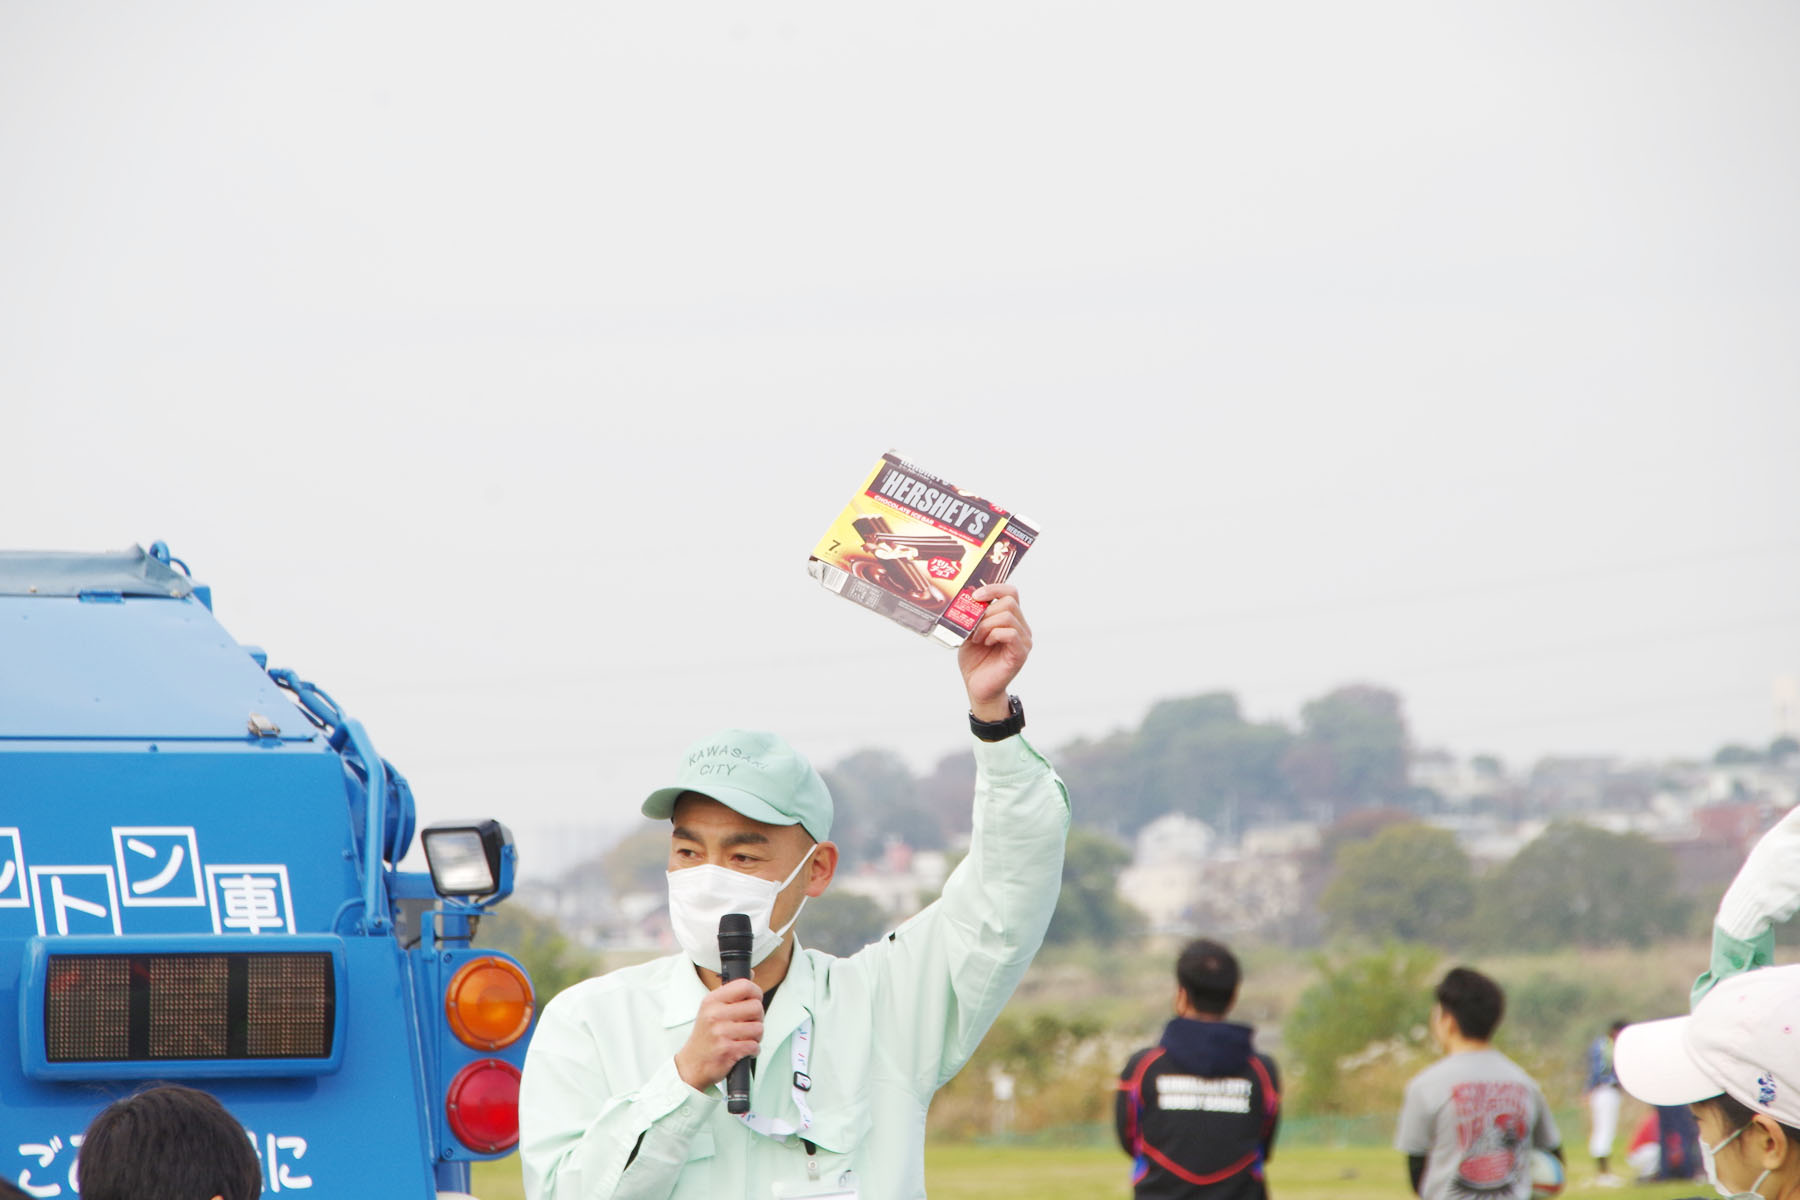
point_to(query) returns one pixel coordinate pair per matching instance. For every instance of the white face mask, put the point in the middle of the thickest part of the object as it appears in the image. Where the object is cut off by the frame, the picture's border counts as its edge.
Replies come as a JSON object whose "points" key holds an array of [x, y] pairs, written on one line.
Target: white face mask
{"points": [[1712, 1170], [699, 896]]}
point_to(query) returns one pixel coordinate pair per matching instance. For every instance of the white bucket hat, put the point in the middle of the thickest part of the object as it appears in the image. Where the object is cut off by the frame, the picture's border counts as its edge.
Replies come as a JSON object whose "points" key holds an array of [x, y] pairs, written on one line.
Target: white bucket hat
{"points": [[1742, 1039]]}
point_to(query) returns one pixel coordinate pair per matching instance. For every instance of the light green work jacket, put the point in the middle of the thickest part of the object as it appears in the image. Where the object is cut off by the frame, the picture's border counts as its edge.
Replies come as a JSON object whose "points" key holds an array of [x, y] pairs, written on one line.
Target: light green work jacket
{"points": [[603, 1114]]}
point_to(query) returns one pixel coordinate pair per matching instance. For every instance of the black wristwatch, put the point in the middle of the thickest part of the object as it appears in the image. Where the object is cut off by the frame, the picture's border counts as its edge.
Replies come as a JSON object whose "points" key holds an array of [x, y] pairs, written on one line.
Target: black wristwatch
{"points": [[999, 731]]}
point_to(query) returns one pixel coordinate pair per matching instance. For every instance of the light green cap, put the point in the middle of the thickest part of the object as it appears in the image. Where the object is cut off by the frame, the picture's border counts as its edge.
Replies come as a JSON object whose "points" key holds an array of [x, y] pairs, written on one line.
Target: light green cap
{"points": [[755, 774]]}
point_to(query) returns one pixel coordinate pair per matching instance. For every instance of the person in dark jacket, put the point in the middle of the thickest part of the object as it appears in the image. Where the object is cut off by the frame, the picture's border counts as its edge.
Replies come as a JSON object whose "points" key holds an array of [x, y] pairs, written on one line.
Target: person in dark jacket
{"points": [[1197, 1112], [167, 1142]]}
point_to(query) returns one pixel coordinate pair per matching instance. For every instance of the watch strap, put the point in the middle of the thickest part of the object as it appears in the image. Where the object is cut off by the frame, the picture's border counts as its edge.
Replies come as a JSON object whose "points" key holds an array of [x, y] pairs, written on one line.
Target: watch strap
{"points": [[997, 731]]}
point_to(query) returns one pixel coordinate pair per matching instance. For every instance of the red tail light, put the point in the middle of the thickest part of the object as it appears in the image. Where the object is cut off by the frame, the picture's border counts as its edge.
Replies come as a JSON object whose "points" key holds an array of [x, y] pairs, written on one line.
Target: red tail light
{"points": [[483, 1106]]}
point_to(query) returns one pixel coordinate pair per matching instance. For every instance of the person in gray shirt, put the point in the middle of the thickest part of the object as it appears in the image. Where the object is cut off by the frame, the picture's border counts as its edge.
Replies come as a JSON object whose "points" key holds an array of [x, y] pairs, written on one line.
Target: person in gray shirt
{"points": [[1470, 1120]]}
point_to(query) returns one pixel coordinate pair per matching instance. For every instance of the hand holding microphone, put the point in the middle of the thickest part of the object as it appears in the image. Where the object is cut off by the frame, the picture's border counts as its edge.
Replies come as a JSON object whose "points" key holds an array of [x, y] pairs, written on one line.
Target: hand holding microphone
{"points": [[734, 963], [728, 1027]]}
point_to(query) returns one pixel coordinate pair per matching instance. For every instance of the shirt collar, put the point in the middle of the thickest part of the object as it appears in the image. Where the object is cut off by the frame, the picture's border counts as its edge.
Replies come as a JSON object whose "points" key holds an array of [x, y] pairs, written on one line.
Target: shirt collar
{"points": [[793, 1001], [682, 994]]}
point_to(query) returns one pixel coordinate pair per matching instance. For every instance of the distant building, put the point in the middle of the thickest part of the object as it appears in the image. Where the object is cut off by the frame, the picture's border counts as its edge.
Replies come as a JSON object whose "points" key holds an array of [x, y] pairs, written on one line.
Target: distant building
{"points": [[1185, 881], [1287, 838], [1174, 838], [900, 881], [1458, 782], [1488, 840], [1568, 784]]}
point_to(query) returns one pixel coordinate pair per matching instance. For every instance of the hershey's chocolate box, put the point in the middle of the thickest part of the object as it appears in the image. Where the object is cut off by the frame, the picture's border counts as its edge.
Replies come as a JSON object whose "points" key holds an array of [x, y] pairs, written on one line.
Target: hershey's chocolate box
{"points": [[912, 547]]}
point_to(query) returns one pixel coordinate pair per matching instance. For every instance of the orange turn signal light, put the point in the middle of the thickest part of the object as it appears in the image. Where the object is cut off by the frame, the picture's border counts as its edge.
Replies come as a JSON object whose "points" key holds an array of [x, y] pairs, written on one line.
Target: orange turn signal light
{"points": [[489, 1003]]}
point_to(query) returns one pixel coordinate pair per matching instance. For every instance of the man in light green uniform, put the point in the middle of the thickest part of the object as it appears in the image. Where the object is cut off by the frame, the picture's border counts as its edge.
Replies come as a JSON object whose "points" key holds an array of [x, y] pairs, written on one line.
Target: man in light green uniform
{"points": [[622, 1095]]}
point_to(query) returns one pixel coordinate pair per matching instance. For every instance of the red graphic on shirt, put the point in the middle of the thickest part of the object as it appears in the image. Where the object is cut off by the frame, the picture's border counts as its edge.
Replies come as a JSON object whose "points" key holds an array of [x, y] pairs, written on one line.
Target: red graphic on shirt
{"points": [[1493, 1125]]}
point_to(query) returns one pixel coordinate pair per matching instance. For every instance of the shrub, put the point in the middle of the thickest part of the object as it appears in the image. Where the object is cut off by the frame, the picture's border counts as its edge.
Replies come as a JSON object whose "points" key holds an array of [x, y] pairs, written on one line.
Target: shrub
{"points": [[1361, 1012]]}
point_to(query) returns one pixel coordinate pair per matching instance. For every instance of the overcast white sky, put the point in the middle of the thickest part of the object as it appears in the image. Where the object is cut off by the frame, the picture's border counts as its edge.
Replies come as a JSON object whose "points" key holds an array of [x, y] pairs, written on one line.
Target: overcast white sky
{"points": [[499, 365]]}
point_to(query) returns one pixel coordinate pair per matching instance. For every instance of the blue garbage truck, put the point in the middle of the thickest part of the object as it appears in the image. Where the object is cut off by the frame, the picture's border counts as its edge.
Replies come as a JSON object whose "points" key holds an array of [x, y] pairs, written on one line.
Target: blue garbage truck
{"points": [[199, 884]]}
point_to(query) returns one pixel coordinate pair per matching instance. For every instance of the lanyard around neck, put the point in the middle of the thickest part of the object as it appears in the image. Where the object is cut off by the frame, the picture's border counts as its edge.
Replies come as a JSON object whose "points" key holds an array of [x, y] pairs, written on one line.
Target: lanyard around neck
{"points": [[779, 1127]]}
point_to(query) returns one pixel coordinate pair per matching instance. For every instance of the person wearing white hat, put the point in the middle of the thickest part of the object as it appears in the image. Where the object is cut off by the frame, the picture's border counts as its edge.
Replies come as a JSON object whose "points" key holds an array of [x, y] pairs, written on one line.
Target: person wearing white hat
{"points": [[1736, 1062]]}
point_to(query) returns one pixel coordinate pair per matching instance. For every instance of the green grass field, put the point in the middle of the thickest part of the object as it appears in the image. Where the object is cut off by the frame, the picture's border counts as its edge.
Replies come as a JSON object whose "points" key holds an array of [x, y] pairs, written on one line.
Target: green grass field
{"points": [[961, 1171]]}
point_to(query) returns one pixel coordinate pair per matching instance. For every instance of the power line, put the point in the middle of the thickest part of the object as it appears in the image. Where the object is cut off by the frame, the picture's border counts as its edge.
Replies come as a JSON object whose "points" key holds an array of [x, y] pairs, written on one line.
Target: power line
{"points": [[715, 664]]}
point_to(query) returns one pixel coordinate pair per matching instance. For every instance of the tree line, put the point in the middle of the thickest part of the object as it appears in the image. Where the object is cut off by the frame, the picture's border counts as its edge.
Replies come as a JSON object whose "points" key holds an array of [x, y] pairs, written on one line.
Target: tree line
{"points": [[1572, 885], [1378, 874]]}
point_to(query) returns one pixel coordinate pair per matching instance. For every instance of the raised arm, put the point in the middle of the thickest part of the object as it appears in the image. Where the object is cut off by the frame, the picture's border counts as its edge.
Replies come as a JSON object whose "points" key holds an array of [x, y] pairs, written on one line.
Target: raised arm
{"points": [[945, 974], [992, 656], [1765, 893]]}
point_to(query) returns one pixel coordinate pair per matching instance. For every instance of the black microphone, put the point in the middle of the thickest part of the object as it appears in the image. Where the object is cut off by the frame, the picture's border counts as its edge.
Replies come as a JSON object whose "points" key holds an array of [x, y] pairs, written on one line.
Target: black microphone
{"points": [[734, 963]]}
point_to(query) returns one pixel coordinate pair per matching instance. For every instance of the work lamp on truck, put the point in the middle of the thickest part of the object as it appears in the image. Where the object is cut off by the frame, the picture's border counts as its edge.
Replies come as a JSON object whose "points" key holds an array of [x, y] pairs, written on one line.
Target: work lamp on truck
{"points": [[470, 858], [483, 1018]]}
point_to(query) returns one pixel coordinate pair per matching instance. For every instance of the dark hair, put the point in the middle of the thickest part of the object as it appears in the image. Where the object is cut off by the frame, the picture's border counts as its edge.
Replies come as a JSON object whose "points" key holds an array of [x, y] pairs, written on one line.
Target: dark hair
{"points": [[1618, 1025], [10, 1191], [1473, 1001], [1735, 1114], [168, 1143], [1208, 973]]}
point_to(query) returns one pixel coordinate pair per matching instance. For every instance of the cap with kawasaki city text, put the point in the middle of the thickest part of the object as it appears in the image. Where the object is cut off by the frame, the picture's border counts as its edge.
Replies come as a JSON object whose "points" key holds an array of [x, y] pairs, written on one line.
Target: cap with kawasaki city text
{"points": [[755, 774]]}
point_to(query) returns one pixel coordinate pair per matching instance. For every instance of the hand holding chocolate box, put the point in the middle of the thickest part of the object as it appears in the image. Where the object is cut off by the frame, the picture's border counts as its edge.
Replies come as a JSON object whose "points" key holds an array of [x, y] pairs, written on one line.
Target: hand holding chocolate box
{"points": [[913, 548]]}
